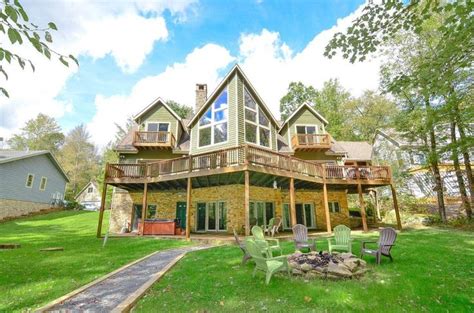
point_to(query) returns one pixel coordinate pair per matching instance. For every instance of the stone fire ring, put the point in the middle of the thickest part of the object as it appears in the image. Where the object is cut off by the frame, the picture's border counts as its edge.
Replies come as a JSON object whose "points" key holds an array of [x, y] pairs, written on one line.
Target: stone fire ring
{"points": [[323, 265]]}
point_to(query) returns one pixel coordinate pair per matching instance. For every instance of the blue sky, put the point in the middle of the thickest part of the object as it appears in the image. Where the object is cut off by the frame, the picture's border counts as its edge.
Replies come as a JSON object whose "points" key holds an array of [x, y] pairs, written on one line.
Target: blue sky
{"points": [[163, 43]]}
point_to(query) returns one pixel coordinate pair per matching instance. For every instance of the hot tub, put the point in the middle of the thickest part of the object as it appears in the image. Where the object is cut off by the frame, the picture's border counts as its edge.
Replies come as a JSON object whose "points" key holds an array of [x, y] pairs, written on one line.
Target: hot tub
{"points": [[160, 227]]}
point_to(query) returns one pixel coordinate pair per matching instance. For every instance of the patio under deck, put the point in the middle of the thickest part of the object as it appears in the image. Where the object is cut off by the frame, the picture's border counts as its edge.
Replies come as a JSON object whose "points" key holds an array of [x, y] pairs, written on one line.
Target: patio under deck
{"points": [[247, 165]]}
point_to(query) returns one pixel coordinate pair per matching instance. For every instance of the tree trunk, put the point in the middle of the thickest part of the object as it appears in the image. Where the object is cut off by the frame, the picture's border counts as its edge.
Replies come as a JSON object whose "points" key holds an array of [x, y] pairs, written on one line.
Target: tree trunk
{"points": [[466, 157], [459, 175], [433, 160]]}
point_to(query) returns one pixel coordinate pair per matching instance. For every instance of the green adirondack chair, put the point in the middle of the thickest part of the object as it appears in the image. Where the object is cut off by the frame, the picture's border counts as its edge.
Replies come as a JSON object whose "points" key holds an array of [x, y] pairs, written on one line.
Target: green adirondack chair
{"points": [[269, 245], [264, 263], [342, 239]]}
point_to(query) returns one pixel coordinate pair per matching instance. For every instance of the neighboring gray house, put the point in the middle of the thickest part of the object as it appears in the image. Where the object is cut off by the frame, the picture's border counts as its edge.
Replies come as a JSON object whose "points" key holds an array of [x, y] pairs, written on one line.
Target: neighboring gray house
{"points": [[406, 157], [29, 181], [89, 196]]}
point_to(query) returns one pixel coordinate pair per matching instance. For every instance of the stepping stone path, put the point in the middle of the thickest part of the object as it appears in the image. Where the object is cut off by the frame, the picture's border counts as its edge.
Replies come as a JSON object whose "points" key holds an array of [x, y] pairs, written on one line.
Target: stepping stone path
{"points": [[120, 289]]}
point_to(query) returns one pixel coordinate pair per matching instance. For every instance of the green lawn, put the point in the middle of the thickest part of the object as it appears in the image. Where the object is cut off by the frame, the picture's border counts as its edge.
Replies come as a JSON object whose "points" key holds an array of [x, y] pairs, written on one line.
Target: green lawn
{"points": [[30, 278], [433, 271]]}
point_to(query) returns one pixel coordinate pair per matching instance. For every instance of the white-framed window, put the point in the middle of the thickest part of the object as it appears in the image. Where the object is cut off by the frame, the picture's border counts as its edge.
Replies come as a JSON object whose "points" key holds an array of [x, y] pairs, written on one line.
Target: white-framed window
{"points": [[257, 124], [90, 190], [212, 128], [334, 207], [29, 180], [43, 182], [157, 126]]}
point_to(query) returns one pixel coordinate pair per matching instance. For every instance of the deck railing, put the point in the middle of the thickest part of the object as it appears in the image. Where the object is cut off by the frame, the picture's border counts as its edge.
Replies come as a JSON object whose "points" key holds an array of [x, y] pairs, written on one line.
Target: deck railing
{"points": [[308, 141], [149, 138], [250, 155]]}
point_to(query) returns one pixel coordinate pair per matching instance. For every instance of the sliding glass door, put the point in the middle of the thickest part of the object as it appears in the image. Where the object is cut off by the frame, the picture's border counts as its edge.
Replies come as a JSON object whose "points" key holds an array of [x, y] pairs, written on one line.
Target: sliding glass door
{"points": [[261, 213], [211, 216], [304, 215]]}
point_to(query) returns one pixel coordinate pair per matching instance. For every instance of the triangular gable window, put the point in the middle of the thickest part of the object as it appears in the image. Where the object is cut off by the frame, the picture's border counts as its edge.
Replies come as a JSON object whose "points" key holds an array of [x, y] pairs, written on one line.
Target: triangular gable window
{"points": [[257, 124]]}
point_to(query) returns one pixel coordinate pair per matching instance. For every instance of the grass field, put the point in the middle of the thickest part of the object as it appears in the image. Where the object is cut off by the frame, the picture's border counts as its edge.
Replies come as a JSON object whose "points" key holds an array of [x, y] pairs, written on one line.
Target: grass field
{"points": [[30, 278], [433, 271]]}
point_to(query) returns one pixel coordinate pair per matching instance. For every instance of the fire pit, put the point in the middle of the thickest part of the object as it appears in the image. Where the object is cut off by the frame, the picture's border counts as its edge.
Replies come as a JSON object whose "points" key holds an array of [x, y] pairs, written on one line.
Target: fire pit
{"points": [[324, 265]]}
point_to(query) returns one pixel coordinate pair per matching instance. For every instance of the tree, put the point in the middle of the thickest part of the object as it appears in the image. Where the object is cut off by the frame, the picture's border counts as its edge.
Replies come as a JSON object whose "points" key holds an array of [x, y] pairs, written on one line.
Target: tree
{"points": [[297, 94], [368, 113], [41, 133], [182, 110], [79, 159], [16, 25], [331, 101]]}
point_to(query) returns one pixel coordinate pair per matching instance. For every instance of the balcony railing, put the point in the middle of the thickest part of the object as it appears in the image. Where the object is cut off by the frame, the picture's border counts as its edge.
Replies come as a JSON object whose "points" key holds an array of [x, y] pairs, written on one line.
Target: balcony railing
{"points": [[248, 155], [154, 139], [311, 141]]}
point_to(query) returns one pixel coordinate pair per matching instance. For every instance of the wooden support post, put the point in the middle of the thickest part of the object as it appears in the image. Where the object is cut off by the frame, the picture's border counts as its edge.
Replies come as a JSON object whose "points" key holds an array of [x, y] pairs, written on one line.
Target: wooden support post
{"points": [[144, 207], [362, 208], [292, 202], [102, 208], [326, 209], [325, 201], [247, 203], [395, 206], [188, 209]]}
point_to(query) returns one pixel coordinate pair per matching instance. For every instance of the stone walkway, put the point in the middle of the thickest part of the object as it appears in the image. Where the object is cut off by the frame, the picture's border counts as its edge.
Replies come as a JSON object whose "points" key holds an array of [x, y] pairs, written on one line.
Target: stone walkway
{"points": [[120, 289]]}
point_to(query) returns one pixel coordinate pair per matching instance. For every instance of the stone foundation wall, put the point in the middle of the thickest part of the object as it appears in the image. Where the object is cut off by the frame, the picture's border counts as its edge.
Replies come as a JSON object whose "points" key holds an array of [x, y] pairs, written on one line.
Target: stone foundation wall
{"points": [[15, 208], [233, 195]]}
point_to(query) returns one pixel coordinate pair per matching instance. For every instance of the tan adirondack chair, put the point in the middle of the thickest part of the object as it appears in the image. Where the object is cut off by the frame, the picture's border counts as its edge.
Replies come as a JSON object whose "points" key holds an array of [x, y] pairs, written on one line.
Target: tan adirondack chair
{"points": [[384, 245], [265, 263], [246, 255], [342, 239], [300, 236], [276, 226], [269, 245]]}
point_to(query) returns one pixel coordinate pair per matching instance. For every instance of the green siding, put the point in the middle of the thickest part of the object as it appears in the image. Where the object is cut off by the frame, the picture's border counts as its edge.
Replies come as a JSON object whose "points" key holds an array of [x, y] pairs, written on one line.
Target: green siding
{"points": [[314, 155], [304, 117], [231, 126], [160, 114]]}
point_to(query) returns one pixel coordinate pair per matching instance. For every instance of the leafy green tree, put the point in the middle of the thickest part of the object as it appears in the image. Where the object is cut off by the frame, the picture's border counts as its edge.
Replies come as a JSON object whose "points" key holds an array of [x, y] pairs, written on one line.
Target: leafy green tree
{"points": [[331, 101], [79, 159], [182, 110], [16, 25], [41, 133], [297, 94], [367, 113]]}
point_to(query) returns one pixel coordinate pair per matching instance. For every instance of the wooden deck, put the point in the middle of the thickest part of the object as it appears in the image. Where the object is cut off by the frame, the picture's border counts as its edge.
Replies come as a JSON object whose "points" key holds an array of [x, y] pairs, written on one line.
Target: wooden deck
{"points": [[246, 158], [311, 142], [154, 140]]}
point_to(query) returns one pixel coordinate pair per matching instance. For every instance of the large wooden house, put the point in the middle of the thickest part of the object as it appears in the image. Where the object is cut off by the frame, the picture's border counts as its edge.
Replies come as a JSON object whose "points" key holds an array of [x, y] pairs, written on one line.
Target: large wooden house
{"points": [[233, 165]]}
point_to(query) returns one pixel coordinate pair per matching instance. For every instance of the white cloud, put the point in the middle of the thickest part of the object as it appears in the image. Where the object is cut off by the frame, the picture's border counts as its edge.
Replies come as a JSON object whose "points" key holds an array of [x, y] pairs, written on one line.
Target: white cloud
{"points": [[271, 65], [126, 30], [177, 82]]}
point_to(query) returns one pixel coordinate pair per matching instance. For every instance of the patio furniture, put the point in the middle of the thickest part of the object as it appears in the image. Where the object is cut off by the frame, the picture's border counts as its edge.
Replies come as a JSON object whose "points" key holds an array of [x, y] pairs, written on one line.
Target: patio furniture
{"points": [[265, 263], [268, 245], [269, 228], [300, 236], [384, 244], [342, 239], [246, 256], [276, 226]]}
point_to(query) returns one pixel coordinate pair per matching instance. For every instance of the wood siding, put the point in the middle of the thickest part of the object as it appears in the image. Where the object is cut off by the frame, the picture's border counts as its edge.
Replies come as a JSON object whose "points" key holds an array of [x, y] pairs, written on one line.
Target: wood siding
{"points": [[13, 180], [160, 114]]}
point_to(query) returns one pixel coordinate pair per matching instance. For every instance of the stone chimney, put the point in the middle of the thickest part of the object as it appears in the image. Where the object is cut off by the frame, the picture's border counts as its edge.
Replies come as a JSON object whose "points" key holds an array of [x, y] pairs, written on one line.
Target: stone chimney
{"points": [[201, 95]]}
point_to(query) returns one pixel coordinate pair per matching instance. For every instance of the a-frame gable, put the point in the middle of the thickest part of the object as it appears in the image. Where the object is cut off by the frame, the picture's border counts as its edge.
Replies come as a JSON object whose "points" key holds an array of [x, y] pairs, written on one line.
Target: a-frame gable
{"points": [[308, 107], [235, 70], [158, 101]]}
